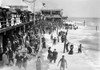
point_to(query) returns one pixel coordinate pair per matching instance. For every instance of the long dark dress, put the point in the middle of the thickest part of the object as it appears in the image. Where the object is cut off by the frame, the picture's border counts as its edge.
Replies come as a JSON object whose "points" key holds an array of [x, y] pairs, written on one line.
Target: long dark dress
{"points": [[29, 50], [50, 54], [44, 45], [55, 55], [19, 60], [10, 54], [71, 49]]}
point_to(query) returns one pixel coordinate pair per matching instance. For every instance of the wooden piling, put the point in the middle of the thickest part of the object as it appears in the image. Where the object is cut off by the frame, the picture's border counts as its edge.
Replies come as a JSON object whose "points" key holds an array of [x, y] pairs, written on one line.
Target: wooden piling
{"points": [[96, 28], [84, 22]]}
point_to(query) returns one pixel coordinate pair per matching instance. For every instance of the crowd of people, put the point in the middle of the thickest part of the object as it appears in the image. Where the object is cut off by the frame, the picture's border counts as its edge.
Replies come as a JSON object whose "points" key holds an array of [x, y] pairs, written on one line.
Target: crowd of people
{"points": [[20, 44], [68, 47], [12, 17], [52, 55]]}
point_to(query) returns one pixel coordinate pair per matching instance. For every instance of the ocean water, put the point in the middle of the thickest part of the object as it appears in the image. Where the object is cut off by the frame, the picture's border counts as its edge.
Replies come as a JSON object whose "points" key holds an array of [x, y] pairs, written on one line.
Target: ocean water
{"points": [[90, 28], [90, 36], [88, 21]]}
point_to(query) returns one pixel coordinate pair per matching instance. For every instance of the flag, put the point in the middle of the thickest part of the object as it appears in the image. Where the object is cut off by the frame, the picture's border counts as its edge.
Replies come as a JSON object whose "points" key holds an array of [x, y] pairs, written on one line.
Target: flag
{"points": [[29, 1], [43, 4], [23, 0]]}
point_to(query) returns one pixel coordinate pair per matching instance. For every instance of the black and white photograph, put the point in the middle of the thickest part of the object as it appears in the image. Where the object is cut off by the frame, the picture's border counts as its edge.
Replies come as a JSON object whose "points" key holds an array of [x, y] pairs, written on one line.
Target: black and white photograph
{"points": [[49, 34]]}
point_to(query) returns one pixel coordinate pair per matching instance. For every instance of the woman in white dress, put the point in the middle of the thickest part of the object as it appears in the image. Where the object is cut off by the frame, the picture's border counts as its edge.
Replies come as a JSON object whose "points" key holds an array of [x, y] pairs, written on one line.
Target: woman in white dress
{"points": [[5, 59], [38, 63]]}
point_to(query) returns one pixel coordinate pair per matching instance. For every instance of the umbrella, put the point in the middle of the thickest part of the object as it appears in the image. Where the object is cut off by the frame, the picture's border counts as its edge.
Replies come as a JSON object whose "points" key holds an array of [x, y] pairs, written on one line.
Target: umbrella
{"points": [[12, 10], [18, 11]]}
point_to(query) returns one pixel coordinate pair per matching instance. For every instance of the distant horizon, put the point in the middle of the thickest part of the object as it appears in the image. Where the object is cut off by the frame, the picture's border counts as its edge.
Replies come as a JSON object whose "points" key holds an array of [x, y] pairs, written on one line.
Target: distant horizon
{"points": [[84, 17]]}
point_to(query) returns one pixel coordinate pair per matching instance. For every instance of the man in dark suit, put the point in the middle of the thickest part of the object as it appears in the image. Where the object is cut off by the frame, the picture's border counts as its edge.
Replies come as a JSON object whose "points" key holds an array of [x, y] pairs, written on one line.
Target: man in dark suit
{"points": [[55, 53]]}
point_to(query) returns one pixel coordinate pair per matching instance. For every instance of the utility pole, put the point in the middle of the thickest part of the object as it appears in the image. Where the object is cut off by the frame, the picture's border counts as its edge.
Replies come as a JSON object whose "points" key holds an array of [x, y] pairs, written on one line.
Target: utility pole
{"points": [[34, 10], [96, 28], [84, 22], [31, 1]]}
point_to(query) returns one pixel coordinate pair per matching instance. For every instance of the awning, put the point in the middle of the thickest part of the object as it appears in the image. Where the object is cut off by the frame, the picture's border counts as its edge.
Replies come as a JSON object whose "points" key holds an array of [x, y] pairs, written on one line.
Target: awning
{"points": [[55, 16], [4, 6], [18, 11]]}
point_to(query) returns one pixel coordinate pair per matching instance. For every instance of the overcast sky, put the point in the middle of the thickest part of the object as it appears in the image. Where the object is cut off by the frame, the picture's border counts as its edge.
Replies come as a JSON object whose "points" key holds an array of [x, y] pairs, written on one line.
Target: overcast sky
{"points": [[77, 8], [73, 8]]}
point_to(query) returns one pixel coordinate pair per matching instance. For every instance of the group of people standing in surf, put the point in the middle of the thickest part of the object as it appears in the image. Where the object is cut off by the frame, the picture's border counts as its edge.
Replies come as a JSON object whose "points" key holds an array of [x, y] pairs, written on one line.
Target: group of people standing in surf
{"points": [[68, 47]]}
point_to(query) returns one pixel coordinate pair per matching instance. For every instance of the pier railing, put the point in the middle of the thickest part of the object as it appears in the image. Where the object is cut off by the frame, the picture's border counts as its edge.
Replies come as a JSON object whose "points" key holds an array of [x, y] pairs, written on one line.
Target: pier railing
{"points": [[9, 23]]}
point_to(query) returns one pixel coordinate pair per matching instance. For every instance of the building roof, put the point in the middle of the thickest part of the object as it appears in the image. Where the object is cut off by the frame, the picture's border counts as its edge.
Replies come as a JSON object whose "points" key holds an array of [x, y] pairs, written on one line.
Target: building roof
{"points": [[51, 9]]}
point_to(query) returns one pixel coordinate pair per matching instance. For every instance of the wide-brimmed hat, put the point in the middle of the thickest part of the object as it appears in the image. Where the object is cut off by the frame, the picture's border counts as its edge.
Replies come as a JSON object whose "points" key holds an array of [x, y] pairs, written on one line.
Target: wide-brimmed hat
{"points": [[39, 56]]}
